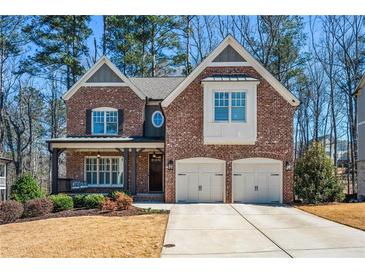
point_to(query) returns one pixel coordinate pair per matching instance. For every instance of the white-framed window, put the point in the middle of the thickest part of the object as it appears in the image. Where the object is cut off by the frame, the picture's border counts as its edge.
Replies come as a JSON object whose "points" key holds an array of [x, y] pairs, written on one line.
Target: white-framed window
{"points": [[157, 119], [104, 171], [105, 121], [230, 106], [2, 171]]}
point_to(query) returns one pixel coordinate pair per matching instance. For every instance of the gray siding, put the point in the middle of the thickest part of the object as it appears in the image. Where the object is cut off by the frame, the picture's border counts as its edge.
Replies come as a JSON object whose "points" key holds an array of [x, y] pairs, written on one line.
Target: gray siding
{"points": [[229, 55], [361, 128], [104, 75], [361, 142], [361, 106], [149, 129]]}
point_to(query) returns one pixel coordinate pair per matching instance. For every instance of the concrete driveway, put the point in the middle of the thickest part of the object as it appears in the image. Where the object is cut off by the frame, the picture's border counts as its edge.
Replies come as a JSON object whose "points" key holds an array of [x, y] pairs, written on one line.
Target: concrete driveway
{"points": [[241, 230]]}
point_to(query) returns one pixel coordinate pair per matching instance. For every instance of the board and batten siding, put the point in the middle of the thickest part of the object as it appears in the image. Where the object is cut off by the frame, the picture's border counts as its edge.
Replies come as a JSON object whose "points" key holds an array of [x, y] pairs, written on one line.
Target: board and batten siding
{"points": [[149, 129], [104, 75]]}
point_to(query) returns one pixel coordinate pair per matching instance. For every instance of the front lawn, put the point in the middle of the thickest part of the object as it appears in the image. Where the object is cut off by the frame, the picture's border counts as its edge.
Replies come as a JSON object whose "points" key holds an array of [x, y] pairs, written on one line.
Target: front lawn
{"points": [[86, 236], [349, 214]]}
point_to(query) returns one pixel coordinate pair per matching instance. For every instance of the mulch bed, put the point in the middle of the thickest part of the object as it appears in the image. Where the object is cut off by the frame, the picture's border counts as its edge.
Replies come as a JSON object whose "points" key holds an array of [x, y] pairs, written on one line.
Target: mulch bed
{"points": [[77, 212]]}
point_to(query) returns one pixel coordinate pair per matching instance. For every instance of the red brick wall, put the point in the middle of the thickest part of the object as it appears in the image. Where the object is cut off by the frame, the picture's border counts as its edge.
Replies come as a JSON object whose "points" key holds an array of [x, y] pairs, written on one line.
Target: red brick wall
{"points": [[75, 167], [184, 131], [114, 97]]}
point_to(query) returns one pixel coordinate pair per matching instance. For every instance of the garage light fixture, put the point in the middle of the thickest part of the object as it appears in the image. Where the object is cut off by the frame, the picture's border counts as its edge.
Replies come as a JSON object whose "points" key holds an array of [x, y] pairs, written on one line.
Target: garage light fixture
{"points": [[170, 165], [288, 166]]}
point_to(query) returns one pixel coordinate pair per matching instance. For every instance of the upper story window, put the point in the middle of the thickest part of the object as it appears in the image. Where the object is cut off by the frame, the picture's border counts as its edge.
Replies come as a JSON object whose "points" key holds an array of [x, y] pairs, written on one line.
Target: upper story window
{"points": [[229, 106], [2, 170], [157, 119], [105, 121]]}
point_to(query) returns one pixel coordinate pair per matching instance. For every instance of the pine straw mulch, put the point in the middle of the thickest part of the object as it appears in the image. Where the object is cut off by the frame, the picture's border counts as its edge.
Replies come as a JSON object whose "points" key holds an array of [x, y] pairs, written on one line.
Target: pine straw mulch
{"points": [[77, 212]]}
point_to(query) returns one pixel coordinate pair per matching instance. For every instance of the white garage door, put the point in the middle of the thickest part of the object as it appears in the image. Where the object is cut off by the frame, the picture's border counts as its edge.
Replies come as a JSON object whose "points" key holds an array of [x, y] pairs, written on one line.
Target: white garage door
{"points": [[200, 180], [257, 180]]}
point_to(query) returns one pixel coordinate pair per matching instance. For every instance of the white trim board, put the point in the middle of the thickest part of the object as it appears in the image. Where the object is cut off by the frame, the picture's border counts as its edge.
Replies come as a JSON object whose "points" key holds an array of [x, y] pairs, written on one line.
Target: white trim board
{"points": [[229, 40], [103, 60]]}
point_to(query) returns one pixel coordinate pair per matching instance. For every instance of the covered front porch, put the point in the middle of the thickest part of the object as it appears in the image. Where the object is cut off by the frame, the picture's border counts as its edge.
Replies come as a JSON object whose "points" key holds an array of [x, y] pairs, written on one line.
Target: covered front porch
{"points": [[106, 164]]}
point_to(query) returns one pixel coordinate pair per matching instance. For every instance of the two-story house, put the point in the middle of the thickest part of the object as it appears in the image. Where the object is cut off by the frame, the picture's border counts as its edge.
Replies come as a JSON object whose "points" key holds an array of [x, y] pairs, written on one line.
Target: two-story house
{"points": [[222, 134], [360, 94], [3, 174]]}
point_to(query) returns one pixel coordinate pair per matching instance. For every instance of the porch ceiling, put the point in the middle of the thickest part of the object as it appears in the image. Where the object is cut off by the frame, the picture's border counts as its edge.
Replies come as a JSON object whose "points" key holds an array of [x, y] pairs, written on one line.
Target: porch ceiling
{"points": [[104, 143]]}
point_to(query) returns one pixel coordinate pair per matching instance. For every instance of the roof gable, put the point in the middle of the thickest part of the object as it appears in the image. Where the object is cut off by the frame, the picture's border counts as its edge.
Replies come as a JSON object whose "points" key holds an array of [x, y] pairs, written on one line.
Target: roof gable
{"points": [[229, 55], [103, 73], [230, 41]]}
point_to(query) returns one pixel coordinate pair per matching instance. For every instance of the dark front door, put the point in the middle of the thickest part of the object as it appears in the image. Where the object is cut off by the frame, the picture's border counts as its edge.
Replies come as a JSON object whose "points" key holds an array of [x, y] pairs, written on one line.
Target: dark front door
{"points": [[155, 164]]}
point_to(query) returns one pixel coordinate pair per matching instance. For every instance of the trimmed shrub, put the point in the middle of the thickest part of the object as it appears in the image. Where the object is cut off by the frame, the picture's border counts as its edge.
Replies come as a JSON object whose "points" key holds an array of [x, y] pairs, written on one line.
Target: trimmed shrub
{"points": [[79, 200], [109, 205], [114, 194], [93, 200], [315, 177], [10, 211], [123, 201], [61, 202], [25, 188], [37, 207]]}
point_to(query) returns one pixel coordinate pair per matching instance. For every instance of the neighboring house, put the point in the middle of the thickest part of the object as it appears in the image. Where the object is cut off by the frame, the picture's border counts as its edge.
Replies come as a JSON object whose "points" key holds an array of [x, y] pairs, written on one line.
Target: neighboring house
{"points": [[222, 134], [3, 170], [342, 149], [360, 93]]}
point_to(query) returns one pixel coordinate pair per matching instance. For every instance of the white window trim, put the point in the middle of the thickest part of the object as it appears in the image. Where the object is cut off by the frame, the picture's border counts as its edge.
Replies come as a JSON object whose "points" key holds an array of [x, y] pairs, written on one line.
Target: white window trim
{"points": [[103, 109], [121, 171], [229, 91], [153, 122]]}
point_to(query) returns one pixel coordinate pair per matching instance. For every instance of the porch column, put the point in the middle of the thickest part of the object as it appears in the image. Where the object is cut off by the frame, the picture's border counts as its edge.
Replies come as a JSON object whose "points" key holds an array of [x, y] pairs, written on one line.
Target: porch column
{"points": [[55, 154], [125, 168], [133, 171]]}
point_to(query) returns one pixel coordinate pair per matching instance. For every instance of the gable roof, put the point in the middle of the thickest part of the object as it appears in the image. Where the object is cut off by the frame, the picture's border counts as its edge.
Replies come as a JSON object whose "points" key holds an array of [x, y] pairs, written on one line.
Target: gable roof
{"points": [[156, 87], [360, 85], [101, 62], [230, 41]]}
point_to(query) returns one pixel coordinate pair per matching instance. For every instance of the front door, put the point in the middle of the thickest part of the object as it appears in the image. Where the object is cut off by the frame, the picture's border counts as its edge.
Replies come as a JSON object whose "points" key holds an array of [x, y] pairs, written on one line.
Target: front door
{"points": [[155, 172]]}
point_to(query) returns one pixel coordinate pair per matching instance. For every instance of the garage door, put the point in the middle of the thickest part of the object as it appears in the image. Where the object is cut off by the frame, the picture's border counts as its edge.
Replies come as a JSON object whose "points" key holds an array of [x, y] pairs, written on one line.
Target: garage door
{"points": [[257, 180], [200, 180]]}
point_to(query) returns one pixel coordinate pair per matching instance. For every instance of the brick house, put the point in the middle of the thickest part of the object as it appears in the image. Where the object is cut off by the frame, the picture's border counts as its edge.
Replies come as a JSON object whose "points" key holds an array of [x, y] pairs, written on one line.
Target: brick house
{"points": [[222, 134]]}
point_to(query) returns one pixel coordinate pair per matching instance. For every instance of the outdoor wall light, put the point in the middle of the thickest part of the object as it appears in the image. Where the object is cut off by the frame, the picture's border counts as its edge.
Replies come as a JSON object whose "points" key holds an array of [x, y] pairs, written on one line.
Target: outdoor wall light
{"points": [[288, 166], [98, 155], [170, 165]]}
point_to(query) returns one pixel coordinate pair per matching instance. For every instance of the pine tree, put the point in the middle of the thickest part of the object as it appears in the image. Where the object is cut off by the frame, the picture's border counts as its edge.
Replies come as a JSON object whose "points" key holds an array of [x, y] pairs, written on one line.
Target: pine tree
{"points": [[61, 44], [144, 45]]}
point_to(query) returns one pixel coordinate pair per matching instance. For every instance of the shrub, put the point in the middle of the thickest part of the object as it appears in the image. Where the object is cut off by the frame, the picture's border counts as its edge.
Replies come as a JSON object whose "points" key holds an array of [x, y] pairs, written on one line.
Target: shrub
{"points": [[37, 207], [10, 211], [114, 194], [25, 188], [93, 200], [109, 204], [79, 200], [315, 177], [61, 202], [123, 200]]}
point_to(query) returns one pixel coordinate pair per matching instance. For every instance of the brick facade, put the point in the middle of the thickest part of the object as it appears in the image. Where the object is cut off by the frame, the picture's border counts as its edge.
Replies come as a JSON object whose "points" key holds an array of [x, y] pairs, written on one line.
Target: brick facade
{"points": [[75, 167], [184, 131], [114, 97]]}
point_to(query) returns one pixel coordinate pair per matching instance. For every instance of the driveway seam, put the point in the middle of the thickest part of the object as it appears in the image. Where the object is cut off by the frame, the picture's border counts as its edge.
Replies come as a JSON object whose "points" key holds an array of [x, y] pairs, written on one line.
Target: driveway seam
{"points": [[275, 243]]}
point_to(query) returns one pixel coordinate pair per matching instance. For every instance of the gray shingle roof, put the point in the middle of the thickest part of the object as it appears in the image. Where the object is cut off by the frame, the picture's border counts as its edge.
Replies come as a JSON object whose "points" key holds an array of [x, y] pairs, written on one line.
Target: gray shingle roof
{"points": [[156, 87]]}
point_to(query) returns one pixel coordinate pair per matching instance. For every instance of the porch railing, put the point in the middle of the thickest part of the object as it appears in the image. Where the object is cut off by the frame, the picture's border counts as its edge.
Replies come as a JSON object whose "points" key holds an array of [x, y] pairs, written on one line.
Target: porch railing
{"points": [[67, 184]]}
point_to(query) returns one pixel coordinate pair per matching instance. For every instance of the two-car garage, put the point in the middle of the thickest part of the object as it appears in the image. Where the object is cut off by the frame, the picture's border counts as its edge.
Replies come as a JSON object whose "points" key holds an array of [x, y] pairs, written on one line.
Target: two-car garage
{"points": [[254, 180]]}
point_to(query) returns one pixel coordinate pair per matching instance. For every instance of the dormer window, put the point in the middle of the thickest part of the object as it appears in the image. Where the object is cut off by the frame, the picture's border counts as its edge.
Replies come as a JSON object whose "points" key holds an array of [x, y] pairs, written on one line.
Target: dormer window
{"points": [[105, 121]]}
